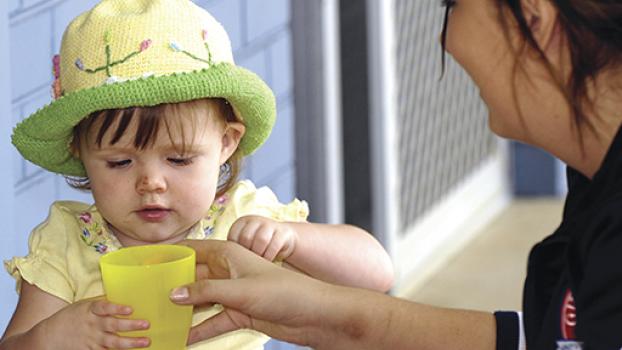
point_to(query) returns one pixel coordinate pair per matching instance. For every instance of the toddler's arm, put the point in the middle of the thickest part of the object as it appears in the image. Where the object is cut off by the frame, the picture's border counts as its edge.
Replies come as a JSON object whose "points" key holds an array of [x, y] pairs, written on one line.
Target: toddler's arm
{"points": [[43, 321], [342, 254]]}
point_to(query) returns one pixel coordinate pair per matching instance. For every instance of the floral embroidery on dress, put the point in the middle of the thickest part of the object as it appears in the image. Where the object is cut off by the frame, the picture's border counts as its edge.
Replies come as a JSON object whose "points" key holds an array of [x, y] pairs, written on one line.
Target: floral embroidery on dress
{"points": [[214, 211], [208, 230], [93, 233]]}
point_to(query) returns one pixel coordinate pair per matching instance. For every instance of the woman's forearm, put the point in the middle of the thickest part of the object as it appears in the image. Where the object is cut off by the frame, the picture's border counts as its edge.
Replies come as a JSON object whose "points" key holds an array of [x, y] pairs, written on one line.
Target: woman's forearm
{"points": [[358, 319]]}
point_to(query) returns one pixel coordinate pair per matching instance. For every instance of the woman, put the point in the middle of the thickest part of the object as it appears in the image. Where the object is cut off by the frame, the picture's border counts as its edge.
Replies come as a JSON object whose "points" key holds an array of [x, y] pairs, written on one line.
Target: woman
{"points": [[550, 73]]}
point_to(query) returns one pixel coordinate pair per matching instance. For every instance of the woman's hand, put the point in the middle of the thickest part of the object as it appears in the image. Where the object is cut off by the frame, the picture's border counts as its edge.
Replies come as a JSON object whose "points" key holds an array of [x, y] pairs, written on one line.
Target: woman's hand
{"points": [[93, 324], [256, 294], [266, 237]]}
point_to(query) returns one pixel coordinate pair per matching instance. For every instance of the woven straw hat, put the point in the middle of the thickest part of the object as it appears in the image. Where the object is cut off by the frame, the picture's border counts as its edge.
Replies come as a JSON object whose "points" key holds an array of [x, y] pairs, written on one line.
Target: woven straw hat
{"points": [[126, 53]]}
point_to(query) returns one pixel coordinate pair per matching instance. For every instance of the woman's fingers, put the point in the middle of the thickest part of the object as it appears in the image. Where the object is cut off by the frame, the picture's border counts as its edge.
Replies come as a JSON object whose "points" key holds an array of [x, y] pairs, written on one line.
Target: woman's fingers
{"points": [[226, 321], [202, 272], [225, 259], [208, 291]]}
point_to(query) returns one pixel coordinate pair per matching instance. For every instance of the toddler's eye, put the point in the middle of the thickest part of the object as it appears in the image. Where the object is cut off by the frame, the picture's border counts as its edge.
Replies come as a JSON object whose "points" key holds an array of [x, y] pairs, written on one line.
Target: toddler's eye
{"points": [[118, 163], [180, 160]]}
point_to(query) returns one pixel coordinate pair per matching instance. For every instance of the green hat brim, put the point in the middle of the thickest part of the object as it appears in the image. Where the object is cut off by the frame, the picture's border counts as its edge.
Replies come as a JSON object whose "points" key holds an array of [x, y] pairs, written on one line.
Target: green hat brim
{"points": [[44, 137]]}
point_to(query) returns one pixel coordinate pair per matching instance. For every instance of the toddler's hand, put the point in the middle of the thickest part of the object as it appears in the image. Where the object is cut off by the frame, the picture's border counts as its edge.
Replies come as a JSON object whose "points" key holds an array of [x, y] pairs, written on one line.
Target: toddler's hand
{"points": [[264, 236], [92, 324]]}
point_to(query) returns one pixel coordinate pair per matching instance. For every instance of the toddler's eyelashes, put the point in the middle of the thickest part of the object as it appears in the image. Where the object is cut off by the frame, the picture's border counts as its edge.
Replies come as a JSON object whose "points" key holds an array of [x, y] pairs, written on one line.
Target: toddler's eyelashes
{"points": [[180, 161], [118, 163]]}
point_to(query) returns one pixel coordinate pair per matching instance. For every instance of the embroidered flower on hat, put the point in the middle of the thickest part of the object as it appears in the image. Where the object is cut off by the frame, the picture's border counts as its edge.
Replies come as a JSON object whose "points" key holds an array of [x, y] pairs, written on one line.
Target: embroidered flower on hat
{"points": [[177, 48], [56, 66], [57, 90], [79, 64], [144, 45]]}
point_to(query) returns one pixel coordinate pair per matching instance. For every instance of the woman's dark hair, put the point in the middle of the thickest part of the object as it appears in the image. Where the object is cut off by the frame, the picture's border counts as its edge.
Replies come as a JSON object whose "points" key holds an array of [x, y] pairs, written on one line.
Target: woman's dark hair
{"points": [[149, 121], [593, 31]]}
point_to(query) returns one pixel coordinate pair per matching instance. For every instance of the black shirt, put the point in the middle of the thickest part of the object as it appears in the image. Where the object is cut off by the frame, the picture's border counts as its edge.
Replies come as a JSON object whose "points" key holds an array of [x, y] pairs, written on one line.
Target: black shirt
{"points": [[573, 292]]}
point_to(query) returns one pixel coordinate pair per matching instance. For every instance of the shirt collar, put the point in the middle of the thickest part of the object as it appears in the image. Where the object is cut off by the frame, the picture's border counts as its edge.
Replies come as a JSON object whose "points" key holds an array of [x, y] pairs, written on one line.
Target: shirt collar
{"points": [[582, 191]]}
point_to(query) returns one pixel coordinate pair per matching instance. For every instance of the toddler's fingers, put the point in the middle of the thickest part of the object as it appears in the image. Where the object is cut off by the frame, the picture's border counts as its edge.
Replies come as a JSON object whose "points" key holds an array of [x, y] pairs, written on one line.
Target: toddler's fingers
{"points": [[235, 230], [280, 247], [113, 341], [114, 325], [274, 248], [262, 239], [105, 308], [248, 234]]}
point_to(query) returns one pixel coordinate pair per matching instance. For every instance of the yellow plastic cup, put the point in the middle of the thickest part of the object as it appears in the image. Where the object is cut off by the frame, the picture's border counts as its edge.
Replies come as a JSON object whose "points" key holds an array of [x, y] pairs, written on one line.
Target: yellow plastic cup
{"points": [[143, 277]]}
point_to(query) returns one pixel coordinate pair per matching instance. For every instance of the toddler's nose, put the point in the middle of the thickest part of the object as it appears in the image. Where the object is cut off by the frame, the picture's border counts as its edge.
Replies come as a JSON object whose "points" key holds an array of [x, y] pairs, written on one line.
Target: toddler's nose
{"points": [[150, 183]]}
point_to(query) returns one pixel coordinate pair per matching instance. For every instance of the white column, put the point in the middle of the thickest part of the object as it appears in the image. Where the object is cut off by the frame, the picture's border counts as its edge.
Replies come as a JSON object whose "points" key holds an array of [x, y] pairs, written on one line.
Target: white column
{"points": [[383, 102], [332, 115]]}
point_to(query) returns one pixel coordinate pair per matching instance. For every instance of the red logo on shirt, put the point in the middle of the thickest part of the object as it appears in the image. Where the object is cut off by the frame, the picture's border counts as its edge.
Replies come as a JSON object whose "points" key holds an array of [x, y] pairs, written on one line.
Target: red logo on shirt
{"points": [[568, 316]]}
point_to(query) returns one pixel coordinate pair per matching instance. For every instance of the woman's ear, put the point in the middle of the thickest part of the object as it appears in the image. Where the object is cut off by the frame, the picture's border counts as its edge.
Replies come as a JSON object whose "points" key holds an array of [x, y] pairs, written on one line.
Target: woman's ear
{"points": [[234, 132], [542, 18]]}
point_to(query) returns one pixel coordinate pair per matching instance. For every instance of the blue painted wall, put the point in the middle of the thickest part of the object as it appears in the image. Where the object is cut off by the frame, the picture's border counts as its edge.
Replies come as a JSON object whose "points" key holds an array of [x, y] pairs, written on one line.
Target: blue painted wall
{"points": [[535, 173], [30, 34]]}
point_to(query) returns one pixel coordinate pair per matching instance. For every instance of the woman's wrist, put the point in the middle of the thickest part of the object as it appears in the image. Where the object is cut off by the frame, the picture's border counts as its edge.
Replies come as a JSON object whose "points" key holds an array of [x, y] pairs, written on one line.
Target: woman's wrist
{"points": [[342, 318]]}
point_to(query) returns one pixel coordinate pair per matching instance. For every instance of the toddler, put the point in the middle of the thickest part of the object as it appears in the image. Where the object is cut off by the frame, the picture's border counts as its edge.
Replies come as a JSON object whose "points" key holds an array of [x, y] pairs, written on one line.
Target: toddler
{"points": [[152, 115]]}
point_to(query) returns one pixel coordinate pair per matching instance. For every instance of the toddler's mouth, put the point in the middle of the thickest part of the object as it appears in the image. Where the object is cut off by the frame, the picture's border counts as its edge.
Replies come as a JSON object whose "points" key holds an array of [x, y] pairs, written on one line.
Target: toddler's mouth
{"points": [[153, 214]]}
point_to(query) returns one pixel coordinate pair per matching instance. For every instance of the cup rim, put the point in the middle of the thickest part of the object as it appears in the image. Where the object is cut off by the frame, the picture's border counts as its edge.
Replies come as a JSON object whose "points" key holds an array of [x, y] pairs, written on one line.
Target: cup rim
{"points": [[105, 259]]}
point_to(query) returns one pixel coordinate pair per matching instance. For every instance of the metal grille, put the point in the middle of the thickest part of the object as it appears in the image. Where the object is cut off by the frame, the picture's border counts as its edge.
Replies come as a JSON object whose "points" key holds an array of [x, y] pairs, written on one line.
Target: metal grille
{"points": [[442, 126]]}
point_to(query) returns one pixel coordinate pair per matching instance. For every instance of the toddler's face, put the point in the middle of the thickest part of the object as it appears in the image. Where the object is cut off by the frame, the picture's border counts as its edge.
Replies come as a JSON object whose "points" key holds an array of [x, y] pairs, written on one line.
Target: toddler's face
{"points": [[156, 194]]}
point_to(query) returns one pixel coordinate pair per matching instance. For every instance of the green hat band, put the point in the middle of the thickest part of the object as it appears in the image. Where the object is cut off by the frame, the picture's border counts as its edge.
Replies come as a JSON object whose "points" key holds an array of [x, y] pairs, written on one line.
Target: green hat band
{"points": [[44, 137]]}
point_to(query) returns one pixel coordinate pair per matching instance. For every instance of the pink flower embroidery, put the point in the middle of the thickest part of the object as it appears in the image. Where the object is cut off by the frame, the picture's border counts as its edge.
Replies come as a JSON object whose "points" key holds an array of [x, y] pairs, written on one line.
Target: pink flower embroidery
{"points": [[85, 217], [145, 45], [56, 66], [57, 91], [221, 200]]}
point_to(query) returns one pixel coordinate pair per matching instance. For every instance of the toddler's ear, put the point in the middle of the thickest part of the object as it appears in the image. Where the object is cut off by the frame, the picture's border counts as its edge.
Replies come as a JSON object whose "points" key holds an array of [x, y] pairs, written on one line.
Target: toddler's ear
{"points": [[74, 150], [234, 132]]}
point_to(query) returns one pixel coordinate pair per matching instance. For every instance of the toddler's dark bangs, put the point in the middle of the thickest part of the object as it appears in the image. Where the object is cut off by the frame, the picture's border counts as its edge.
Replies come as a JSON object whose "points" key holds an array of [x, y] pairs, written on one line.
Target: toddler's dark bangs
{"points": [[148, 124], [149, 121], [116, 121]]}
